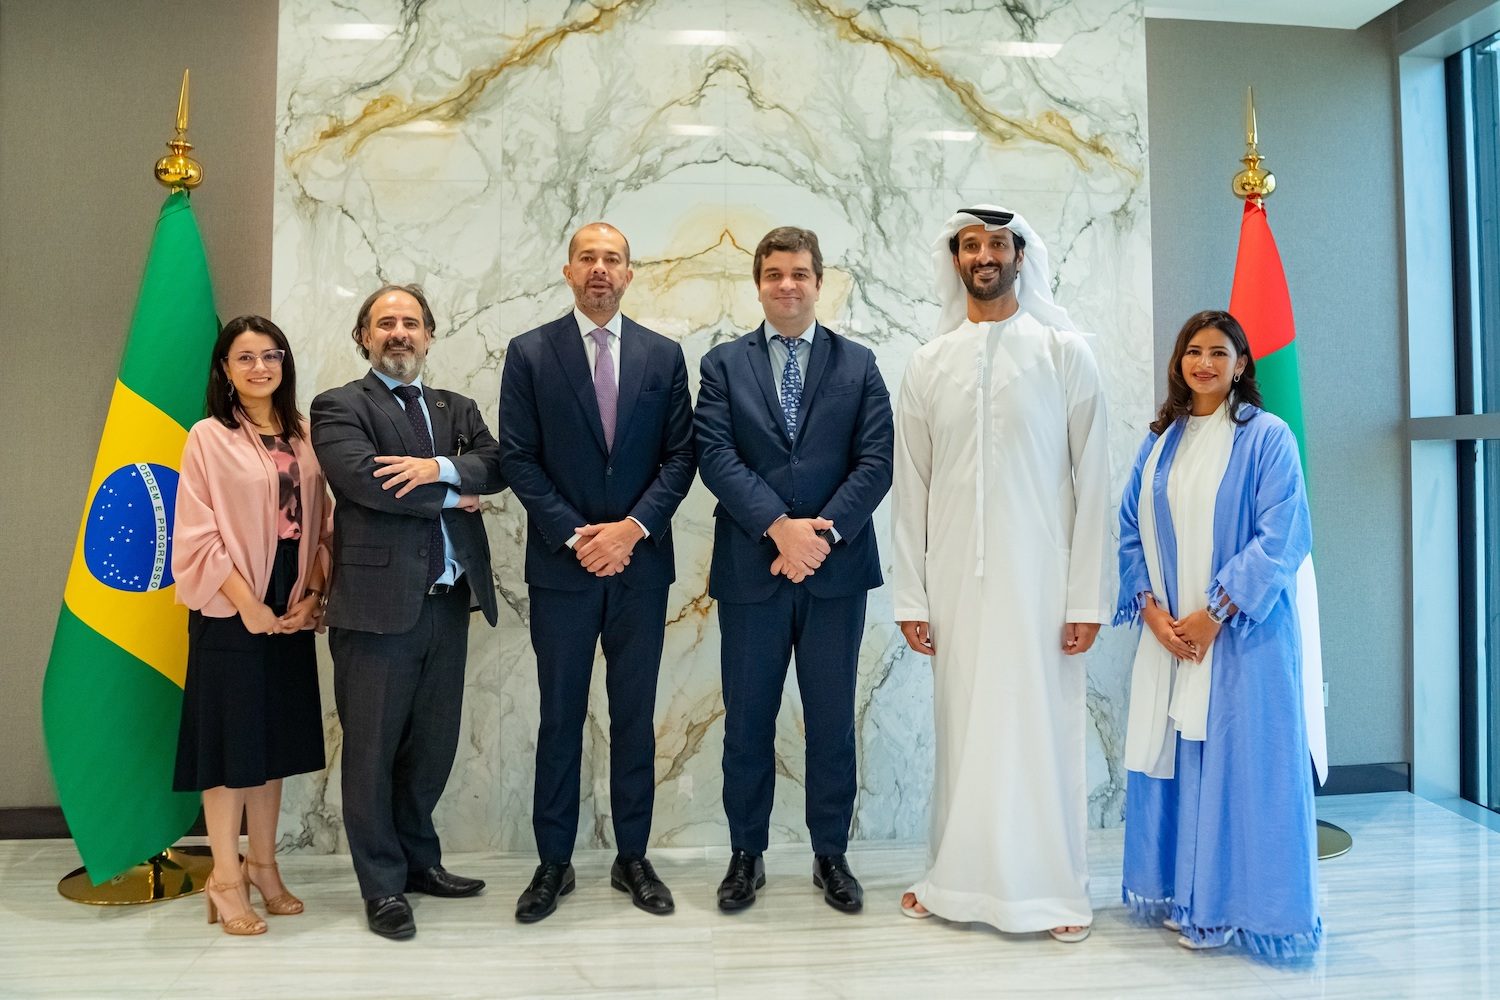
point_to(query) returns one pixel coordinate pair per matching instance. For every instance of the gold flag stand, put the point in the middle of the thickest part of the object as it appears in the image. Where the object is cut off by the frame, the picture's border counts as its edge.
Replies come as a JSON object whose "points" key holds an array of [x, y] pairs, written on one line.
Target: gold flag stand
{"points": [[176, 871], [1256, 183]]}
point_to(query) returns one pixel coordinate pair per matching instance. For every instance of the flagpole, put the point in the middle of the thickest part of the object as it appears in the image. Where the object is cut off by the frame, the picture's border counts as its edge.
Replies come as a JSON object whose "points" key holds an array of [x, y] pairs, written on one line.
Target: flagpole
{"points": [[1254, 184], [175, 871], [177, 170]]}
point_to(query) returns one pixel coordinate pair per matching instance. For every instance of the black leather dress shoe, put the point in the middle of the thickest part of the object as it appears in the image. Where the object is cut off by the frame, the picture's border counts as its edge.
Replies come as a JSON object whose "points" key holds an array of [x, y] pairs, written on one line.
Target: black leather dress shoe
{"points": [[552, 880], [841, 889], [438, 881], [747, 872], [391, 917], [647, 891]]}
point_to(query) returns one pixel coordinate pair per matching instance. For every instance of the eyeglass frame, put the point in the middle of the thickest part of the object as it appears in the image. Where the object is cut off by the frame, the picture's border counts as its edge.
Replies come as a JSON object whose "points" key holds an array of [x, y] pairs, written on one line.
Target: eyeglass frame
{"points": [[273, 358]]}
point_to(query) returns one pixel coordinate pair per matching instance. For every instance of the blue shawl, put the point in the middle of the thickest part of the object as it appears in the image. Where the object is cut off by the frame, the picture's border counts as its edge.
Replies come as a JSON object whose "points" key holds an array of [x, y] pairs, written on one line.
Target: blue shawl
{"points": [[1228, 846]]}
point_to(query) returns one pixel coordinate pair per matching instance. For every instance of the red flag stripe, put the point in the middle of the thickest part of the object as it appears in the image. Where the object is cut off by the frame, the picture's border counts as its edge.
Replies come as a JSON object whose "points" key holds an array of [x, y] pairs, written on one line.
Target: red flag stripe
{"points": [[1260, 300]]}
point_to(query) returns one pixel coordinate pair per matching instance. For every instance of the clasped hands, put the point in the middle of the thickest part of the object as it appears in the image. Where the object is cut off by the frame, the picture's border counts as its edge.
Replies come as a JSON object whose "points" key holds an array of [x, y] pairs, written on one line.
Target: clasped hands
{"points": [[306, 613], [1187, 638], [799, 549], [604, 549]]}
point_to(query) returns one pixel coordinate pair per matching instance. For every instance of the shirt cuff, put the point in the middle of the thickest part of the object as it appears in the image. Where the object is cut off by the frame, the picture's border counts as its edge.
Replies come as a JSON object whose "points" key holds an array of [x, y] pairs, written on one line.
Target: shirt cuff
{"points": [[572, 542], [450, 499], [767, 532], [836, 536], [645, 531], [447, 473]]}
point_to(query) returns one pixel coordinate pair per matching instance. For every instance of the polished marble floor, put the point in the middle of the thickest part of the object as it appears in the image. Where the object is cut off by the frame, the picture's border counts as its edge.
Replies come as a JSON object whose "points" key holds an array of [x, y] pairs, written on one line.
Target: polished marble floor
{"points": [[1412, 911]]}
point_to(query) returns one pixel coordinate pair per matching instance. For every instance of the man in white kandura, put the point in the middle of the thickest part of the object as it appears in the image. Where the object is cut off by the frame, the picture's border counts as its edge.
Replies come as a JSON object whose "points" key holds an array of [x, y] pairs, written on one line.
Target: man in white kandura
{"points": [[1003, 574]]}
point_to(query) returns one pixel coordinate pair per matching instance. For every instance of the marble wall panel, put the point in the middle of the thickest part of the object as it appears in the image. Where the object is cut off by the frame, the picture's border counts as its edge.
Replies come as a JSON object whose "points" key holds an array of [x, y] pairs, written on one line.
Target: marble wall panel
{"points": [[460, 143]]}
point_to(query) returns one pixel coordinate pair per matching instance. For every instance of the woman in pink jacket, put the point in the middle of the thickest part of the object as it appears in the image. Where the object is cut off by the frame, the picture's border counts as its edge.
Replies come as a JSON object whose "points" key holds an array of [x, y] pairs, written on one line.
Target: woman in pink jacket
{"points": [[250, 555]]}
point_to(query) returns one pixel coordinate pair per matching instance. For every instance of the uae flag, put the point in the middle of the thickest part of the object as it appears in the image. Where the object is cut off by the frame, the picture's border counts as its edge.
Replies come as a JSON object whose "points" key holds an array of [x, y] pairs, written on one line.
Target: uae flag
{"points": [[1262, 304], [112, 697]]}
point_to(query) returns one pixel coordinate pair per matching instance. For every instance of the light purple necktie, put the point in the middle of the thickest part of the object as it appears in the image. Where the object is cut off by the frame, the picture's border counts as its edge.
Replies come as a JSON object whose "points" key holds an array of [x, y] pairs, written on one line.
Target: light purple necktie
{"points": [[605, 389]]}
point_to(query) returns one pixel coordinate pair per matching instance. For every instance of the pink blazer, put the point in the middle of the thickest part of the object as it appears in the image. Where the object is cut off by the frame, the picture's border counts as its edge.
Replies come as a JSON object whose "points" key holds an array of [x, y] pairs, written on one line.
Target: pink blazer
{"points": [[227, 509]]}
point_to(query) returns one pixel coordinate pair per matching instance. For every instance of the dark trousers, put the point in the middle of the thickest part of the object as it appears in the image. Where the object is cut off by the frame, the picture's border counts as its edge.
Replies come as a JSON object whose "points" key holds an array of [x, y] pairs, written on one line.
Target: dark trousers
{"points": [[400, 699], [757, 642], [566, 627]]}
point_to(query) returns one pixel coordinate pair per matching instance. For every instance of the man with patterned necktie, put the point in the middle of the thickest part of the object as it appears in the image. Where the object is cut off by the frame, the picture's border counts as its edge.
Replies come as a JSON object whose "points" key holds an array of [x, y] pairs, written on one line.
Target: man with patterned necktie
{"points": [[597, 442], [410, 560], [794, 438]]}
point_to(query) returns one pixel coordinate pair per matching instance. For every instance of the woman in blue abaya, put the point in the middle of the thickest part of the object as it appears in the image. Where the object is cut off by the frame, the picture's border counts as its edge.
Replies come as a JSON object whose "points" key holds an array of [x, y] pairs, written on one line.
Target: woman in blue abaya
{"points": [[1220, 836]]}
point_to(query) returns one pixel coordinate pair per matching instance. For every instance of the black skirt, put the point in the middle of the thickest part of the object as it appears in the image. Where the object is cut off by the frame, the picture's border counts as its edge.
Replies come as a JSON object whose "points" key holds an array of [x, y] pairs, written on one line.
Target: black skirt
{"points": [[251, 711]]}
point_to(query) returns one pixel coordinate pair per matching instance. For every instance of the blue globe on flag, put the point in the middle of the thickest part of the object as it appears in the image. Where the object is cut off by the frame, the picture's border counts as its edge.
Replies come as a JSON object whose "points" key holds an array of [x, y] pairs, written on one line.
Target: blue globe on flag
{"points": [[127, 540]]}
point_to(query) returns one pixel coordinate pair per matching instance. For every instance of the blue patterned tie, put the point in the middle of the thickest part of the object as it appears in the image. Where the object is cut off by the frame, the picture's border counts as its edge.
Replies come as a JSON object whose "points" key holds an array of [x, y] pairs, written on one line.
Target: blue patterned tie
{"points": [[409, 396], [791, 385]]}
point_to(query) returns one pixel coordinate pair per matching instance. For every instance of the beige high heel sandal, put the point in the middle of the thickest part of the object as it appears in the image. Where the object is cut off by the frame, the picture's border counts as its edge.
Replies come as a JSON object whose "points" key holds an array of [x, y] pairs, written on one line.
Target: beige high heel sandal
{"points": [[284, 905], [243, 925]]}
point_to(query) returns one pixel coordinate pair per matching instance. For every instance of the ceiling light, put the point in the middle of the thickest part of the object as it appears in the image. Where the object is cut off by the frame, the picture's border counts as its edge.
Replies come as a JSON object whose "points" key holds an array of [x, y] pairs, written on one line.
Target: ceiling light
{"points": [[358, 32], [1022, 50]]}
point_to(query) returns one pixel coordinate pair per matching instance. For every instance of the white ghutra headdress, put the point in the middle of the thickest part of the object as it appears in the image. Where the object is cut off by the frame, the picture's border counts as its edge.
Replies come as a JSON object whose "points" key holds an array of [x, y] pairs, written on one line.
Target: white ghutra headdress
{"points": [[1033, 284]]}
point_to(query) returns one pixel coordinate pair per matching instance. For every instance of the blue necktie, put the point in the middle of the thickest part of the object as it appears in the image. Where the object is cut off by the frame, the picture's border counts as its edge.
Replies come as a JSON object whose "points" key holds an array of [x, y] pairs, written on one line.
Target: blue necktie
{"points": [[791, 385], [409, 396]]}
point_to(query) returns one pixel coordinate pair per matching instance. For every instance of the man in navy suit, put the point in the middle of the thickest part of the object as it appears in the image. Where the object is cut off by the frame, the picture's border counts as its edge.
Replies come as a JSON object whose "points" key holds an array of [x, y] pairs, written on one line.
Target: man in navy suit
{"points": [[794, 437], [597, 439]]}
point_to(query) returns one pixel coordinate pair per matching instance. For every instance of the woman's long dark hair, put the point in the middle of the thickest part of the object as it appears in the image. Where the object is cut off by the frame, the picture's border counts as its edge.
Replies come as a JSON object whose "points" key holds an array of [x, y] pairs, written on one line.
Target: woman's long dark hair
{"points": [[1179, 402], [226, 408]]}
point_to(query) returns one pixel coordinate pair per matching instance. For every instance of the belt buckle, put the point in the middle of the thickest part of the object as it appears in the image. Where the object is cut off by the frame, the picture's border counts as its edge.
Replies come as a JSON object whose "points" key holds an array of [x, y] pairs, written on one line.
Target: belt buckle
{"points": [[438, 589]]}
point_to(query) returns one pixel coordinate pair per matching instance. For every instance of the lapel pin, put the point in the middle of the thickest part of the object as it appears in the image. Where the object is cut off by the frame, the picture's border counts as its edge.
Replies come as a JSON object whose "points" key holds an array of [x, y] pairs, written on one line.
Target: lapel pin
{"points": [[440, 404]]}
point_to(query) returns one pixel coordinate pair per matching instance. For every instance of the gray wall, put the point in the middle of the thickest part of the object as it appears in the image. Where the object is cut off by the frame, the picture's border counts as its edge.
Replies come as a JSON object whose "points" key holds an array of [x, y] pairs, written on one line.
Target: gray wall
{"points": [[88, 92], [1326, 102]]}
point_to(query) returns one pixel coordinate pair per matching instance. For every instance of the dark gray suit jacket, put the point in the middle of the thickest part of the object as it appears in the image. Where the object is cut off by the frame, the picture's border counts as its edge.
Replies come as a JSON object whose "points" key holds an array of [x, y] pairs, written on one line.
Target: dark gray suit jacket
{"points": [[379, 542]]}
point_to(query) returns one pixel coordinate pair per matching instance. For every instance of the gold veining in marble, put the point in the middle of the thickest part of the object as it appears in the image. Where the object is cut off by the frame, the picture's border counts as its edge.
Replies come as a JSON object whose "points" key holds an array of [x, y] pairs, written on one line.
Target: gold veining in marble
{"points": [[1050, 128], [693, 732], [702, 286], [389, 111]]}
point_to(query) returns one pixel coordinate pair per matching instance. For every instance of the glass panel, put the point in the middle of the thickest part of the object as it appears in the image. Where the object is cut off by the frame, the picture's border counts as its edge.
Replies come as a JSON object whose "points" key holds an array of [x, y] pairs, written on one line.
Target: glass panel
{"points": [[1484, 217], [1474, 137], [1484, 700]]}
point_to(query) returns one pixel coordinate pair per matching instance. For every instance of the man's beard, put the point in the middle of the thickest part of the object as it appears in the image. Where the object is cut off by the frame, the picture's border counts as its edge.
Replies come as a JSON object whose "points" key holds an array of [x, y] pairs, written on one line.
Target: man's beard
{"points": [[1002, 286], [600, 301], [403, 368]]}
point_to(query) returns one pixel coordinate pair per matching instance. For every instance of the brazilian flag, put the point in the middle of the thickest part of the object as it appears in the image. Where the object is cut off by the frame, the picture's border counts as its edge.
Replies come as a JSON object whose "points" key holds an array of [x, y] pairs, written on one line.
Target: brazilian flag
{"points": [[113, 691]]}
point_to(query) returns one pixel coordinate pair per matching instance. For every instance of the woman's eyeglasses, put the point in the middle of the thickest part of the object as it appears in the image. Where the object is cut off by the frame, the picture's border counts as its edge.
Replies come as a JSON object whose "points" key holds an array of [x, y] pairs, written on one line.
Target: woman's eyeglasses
{"points": [[246, 361]]}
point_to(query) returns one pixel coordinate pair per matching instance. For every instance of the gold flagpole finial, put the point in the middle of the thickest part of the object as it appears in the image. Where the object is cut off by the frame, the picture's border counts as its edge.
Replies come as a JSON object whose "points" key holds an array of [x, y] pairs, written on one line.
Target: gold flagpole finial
{"points": [[177, 170], [1252, 182]]}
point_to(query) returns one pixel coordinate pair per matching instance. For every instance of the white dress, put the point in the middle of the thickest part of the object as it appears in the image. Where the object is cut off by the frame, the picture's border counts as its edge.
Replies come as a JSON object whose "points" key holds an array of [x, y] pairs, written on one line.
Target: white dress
{"points": [[997, 564]]}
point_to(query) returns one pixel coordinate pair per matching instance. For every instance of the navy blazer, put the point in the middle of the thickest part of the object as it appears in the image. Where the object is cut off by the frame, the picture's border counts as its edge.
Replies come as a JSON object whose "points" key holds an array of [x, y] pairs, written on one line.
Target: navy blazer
{"points": [[839, 466], [379, 573], [553, 456]]}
